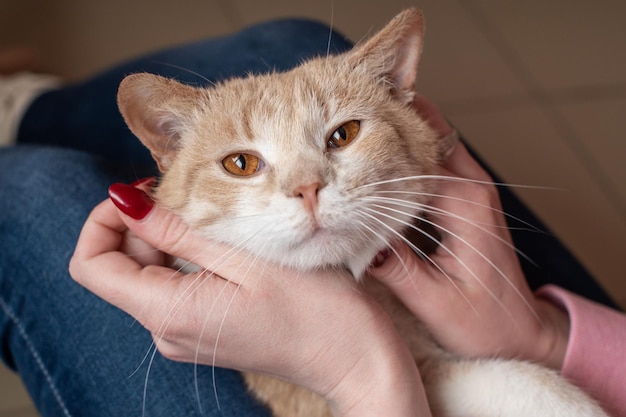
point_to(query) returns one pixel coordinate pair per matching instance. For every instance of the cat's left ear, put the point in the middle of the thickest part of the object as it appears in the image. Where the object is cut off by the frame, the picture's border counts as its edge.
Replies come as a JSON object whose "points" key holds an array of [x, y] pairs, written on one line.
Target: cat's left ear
{"points": [[394, 52], [158, 111]]}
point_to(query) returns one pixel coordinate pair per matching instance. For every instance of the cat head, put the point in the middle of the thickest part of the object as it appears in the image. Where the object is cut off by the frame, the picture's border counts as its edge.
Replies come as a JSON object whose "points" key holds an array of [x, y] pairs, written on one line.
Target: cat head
{"points": [[298, 167]]}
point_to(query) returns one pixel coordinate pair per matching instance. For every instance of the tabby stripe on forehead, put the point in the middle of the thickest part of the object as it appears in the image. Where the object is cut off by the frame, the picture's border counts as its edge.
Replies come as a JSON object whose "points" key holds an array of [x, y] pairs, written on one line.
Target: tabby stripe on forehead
{"points": [[246, 118]]}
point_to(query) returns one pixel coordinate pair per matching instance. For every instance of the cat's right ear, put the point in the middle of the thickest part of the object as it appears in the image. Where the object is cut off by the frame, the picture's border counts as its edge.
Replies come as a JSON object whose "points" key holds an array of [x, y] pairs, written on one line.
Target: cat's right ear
{"points": [[158, 111], [393, 53]]}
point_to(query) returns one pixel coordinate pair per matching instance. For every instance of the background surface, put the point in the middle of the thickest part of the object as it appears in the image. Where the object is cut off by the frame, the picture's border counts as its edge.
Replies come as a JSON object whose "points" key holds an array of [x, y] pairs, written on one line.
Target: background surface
{"points": [[537, 87]]}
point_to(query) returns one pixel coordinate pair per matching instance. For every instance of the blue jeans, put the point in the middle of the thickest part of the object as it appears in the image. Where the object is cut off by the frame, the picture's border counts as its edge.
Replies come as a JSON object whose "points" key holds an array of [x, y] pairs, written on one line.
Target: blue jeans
{"points": [[80, 356], [76, 354]]}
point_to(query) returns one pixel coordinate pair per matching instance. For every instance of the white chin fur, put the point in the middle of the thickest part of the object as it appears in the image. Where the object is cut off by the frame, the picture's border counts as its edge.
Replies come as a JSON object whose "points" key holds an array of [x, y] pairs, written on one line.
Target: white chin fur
{"points": [[310, 257]]}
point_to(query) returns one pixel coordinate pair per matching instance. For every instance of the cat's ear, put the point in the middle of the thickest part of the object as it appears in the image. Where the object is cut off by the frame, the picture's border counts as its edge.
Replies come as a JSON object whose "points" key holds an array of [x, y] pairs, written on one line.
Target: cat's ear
{"points": [[393, 53], [157, 110]]}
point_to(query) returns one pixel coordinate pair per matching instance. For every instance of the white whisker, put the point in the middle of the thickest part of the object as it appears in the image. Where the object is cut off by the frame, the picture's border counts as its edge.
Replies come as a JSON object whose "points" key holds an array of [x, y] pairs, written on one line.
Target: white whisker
{"points": [[379, 236], [169, 64], [475, 250], [332, 23], [145, 383], [530, 226], [451, 178], [185, 296], [419, 251], [221, 325], [437, 211]]}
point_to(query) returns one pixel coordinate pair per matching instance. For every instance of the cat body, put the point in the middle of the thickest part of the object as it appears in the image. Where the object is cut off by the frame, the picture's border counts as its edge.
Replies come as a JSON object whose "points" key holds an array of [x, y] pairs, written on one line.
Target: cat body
{"points": [[455, 386], [300, 169]]}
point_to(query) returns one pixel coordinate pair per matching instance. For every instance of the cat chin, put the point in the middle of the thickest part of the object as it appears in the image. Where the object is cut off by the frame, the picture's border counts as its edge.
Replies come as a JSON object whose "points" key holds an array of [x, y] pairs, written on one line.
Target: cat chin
{"points": [[359, 265], [315, 257]]}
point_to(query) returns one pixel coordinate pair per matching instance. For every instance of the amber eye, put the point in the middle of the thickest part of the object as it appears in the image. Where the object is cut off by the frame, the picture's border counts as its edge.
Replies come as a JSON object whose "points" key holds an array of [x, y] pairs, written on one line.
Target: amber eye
{"points": [[344, 134], [242, 164]]}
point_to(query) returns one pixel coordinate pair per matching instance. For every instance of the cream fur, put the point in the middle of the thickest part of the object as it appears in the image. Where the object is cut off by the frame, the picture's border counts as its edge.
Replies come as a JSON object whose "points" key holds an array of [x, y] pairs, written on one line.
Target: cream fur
{"points": [[286, 119]]}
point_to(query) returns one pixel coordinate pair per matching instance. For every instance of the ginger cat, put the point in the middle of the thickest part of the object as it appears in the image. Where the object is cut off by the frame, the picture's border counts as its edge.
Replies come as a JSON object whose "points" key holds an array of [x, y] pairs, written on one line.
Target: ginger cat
{"points": [[307, 154]]}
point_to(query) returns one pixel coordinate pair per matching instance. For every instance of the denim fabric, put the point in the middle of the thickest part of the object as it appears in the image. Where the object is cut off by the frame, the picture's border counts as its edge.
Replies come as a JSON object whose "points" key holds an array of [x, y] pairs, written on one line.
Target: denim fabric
{"points": [[78, 355], [85, 116], [546, 260]]}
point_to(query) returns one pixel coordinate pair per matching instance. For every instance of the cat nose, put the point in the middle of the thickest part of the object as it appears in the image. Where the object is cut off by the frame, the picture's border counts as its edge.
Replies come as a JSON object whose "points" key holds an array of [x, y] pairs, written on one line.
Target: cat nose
{"points": [[308, 194]]}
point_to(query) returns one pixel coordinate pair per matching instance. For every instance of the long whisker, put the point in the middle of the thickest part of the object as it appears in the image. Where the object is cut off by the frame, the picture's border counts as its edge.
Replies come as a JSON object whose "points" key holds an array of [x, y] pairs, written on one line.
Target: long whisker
{"points": [[216, 264], [190, 263], [478, 252], [435, 210], [168, 64], [192, 287], [145, 383], [379, 236], [239, 285], [419, 251], [332, 23], [185, 296], [152, 350], [221, 326], [451, 178], [195, 370], [165, 325], [530, 226]]}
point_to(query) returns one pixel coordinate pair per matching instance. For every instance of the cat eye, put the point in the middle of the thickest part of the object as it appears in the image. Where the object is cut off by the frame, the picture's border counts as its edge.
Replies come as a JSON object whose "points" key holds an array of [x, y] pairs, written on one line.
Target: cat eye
{"points": [[242, 164], [344, 134]]}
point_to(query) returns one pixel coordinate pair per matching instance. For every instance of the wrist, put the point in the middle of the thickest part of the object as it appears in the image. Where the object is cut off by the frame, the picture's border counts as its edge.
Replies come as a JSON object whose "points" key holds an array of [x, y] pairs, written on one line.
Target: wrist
{"points": [[384, 381], [555, 328]]}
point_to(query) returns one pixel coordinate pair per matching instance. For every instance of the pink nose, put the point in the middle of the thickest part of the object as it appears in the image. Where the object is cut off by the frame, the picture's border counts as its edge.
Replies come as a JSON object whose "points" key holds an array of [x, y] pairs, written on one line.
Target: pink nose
{"points": [[308, 194]]}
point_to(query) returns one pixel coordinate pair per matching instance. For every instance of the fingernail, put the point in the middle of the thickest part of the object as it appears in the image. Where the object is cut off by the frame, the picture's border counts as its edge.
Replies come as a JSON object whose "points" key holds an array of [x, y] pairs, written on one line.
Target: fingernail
{"points": [[130, 200], [380, 258], [144, 181]]}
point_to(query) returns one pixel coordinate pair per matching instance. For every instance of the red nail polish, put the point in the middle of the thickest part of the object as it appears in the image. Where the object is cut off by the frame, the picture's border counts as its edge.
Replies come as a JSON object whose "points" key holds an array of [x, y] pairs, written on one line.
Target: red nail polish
{"points": [[380, 258], [130, 200]]}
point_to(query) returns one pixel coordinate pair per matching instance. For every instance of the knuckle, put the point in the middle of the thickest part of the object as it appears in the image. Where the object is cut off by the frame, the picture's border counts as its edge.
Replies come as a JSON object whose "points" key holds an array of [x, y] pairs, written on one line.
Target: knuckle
{"points": [[168, 349], [73, 266], [172, 236], [403, 267], [75, 269], [81, 271], [486, 194], [478, 190]]}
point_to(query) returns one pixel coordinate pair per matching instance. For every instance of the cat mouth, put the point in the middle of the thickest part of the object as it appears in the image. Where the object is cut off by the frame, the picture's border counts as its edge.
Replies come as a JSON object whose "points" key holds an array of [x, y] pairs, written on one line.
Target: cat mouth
{"points": [[316, 238], [317, 234]]}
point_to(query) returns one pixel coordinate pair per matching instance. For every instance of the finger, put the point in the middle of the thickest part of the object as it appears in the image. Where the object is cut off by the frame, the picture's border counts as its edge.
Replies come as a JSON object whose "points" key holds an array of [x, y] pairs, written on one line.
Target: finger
{"points": [[102, 232], [432, 115], [461, 203], [460, 163], [170, 234], [152, 294], [409, 278], [458, 160], [97, 263]]}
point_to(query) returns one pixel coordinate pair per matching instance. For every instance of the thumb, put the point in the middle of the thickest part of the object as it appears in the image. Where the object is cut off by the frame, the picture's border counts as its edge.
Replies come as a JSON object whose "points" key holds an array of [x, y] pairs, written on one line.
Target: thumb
{"points": [[163, 229], [407, 276]]}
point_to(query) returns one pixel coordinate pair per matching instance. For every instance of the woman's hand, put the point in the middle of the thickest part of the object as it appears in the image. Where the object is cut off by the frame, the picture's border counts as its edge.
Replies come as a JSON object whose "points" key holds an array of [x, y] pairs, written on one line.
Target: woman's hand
{"points": [[475, 301], [314, 329]]}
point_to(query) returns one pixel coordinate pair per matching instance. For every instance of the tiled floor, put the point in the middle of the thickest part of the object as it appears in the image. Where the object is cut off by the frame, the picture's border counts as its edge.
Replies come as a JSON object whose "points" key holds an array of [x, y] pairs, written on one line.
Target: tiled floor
{"points": [[538, 87]]}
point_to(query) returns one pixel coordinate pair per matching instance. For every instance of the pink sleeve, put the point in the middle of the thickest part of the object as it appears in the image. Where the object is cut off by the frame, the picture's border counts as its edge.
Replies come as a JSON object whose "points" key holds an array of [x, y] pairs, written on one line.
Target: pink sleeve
{"points": [[596, 354]]}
